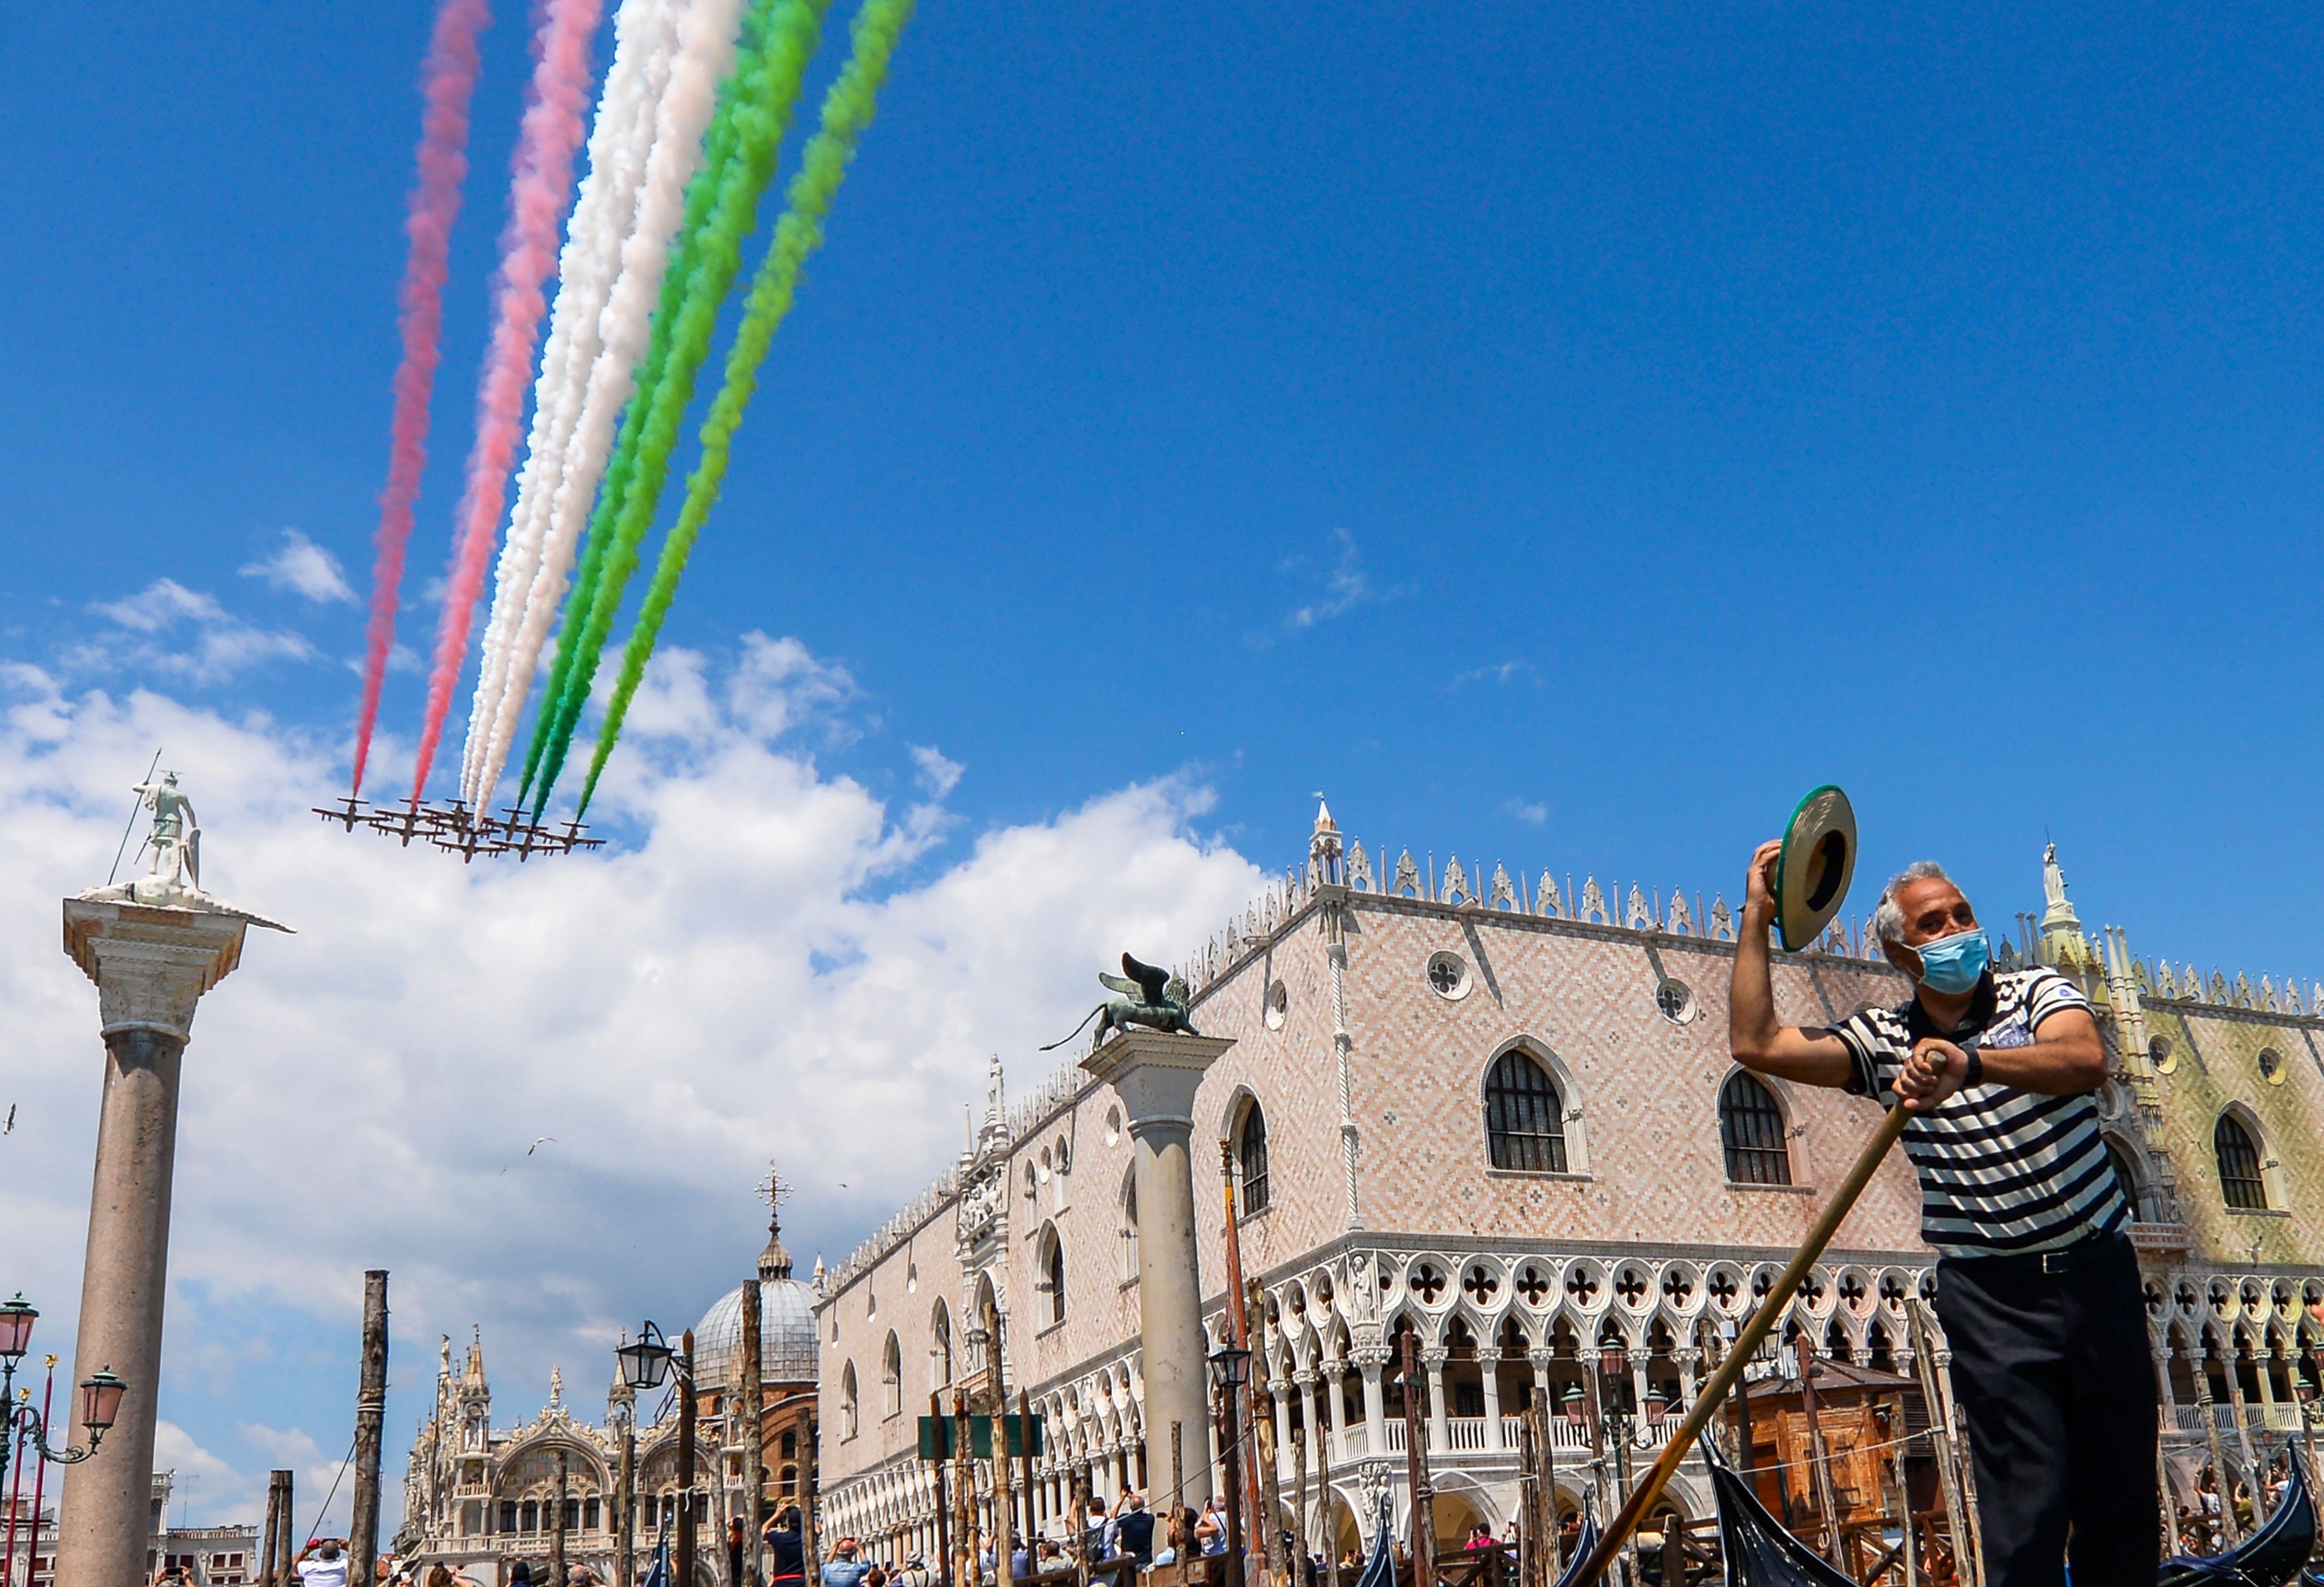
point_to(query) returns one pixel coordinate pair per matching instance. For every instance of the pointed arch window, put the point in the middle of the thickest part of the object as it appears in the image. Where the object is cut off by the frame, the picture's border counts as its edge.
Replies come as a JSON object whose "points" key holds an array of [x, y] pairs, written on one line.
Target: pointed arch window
{"points": [[1051, 1255], [1524, 1115], [1751, 1129], [1250, 1156], [1129, 1229], [891, 1377], [2241, 1182], [940, 1352], [2126, 1175], [849, 1410]]}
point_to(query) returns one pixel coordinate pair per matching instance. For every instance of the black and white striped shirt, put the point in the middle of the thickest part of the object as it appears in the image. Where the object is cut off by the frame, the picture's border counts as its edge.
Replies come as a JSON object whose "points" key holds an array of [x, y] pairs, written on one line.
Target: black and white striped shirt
{"points": [[2002, 1170]]}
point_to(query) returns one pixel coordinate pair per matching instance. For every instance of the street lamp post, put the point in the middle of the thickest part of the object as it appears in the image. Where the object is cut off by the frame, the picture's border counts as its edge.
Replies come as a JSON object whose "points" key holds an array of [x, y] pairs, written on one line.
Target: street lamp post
{"points": [[1614, 1367], [101, 1397], [1229, 1372], [647, 1364]]}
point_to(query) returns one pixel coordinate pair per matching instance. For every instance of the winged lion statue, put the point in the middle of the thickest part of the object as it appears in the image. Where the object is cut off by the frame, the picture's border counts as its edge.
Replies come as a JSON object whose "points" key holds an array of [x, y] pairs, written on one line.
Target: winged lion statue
{"points": [[1145, 995]]}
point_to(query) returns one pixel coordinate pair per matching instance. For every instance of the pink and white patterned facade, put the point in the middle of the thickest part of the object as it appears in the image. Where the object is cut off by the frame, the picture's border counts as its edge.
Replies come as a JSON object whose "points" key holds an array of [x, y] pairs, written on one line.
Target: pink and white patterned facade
{"points": [[1367, 1020]]}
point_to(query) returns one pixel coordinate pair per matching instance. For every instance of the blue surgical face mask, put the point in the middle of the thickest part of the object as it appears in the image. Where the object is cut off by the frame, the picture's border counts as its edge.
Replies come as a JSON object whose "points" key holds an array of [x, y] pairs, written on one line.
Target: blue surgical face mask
{"points": [[1950, 965]]}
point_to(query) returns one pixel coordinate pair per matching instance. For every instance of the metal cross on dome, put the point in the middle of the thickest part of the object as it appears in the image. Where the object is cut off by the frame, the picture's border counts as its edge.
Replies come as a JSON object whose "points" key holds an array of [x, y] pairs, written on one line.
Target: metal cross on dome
{"points": [[774, 1189]]}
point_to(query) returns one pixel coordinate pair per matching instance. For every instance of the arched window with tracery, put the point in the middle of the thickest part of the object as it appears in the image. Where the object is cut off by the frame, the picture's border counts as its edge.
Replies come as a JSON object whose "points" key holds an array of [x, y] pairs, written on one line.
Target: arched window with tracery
{"points": [[1524, 1116], [2241, 1182], [891, 1377], [1129, 1228], [1050, 1253], [2126, 1176], [1751, 1129], [1250, 1159]]}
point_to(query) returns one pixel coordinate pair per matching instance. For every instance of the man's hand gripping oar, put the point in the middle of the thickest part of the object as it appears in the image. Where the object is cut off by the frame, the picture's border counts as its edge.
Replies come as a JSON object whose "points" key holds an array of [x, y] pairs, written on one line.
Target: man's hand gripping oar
{"points": [[1746, 1344]]}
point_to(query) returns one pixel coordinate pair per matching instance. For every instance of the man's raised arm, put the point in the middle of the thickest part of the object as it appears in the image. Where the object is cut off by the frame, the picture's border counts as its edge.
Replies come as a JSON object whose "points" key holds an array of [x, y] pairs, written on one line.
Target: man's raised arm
{"points": [[1756, 1037]]}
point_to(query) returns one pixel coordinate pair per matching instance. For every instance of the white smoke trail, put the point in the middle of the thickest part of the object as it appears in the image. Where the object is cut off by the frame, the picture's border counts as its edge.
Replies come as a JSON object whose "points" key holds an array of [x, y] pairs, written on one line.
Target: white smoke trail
{"points": [[705, 51], [619, 141]]}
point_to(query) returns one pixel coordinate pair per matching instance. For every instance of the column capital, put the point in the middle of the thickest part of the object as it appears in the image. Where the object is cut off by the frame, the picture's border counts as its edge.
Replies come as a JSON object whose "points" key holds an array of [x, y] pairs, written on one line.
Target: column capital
{"points": [[150, 965], [1489, 1357], [1156, 1075], [1541, 1358], [1433, 1360]]}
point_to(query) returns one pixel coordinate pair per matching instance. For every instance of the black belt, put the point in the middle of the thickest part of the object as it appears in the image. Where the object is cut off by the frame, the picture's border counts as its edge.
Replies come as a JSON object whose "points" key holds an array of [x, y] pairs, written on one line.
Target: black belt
{"points": [[2065, 1260]]}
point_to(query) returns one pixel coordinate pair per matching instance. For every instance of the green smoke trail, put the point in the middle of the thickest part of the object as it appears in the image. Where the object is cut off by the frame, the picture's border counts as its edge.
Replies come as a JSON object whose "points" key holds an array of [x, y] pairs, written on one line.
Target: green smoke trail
{"points": [[767, 89], [847, 111], [742, 85]]}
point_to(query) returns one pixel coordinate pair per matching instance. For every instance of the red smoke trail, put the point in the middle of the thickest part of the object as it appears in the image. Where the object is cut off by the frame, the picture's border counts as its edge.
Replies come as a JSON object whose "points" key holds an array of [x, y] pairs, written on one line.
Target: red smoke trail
{"points": [[538, 195], [445, 80]]}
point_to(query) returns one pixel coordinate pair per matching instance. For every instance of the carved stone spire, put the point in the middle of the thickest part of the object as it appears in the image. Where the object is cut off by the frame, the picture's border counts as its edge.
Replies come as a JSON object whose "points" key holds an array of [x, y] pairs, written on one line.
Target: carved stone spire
{"points": [[2062, 942], [1323, 848]]}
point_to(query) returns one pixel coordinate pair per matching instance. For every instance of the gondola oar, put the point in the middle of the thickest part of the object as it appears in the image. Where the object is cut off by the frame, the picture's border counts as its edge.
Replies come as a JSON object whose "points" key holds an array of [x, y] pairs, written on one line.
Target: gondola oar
{"points": [[1746, 1344]]}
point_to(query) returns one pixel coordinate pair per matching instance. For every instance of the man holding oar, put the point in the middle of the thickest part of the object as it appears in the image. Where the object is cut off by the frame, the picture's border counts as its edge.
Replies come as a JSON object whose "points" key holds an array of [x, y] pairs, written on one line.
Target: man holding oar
{"points": [[2038, 1288]]}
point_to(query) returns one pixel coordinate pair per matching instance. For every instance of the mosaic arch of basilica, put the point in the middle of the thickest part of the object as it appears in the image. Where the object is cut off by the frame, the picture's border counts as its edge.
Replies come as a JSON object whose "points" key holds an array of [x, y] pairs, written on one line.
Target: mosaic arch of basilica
{"points": [[1500, 1113]]}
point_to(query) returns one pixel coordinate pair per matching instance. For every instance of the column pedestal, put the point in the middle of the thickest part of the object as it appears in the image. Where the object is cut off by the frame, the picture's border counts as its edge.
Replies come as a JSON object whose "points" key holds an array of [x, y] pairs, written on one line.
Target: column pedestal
{"points": [[150, 966], [1156, 1075]]}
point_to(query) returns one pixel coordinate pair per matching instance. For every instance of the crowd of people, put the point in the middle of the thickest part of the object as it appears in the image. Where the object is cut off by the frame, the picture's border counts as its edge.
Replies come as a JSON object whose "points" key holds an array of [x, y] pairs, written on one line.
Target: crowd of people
{"points": [[2200, 1525]]}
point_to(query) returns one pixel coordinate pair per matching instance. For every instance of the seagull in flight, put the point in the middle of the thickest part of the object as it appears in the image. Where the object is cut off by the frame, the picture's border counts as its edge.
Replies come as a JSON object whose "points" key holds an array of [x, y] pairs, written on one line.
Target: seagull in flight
{"points": [[11, 1128], [538, 1144]]}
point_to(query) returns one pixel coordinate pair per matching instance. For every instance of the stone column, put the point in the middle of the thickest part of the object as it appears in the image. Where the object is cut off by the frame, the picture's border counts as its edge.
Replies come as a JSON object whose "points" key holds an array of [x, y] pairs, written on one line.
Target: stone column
{"points": [[1156, 1075], [1279, 1389], [151, 966], [1335, 1387], [1303, 1384], [1488, 1367], [1440, 1431], [1369, 1359]]}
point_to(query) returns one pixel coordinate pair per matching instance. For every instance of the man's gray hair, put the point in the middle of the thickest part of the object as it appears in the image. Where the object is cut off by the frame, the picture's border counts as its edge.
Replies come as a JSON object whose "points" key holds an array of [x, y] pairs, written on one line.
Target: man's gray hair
{"points": [[1888, 920]]}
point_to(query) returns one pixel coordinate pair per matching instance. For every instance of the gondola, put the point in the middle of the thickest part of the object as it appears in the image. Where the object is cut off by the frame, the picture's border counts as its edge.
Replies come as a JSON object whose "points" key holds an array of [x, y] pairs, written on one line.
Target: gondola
{"points": [[1379, 1571], [1583, 1547], [1759, 1552], [2269, 1557]]}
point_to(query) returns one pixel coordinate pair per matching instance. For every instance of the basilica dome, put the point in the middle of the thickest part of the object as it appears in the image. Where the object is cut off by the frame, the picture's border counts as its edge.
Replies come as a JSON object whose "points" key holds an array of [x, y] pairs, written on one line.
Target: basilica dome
{"points": [[787, 1342]]}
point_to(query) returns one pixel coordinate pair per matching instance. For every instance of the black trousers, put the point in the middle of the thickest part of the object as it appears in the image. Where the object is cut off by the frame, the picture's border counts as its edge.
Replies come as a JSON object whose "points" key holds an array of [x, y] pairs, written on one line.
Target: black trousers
{"points": [[2054, 1375]]}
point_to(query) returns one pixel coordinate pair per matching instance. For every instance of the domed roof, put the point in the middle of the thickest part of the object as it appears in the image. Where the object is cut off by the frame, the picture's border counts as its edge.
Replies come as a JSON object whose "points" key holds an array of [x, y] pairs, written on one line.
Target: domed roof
{"points": [[787, 1342]]}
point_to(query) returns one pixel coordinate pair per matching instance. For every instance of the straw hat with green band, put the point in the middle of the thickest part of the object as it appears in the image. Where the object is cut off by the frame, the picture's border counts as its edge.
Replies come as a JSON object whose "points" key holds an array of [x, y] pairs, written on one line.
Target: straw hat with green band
{"points": [[1812, 872]]}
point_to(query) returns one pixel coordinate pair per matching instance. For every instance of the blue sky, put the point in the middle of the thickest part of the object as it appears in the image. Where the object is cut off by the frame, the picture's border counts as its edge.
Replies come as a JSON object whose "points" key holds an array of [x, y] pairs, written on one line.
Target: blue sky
{"points": [[1563, 438]]}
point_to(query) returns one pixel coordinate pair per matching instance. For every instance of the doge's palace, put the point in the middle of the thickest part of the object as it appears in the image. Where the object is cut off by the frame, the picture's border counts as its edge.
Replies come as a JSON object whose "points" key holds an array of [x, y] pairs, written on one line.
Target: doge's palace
{"points": [[1498, 1113]]}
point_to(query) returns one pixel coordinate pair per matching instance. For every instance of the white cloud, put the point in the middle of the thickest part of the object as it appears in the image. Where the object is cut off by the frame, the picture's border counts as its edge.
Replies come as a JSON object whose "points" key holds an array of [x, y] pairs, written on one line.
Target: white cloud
{"points": [[939, 774], [1344, 586], [1501, 672], [1531, 811], [166, 628], [200, 1481], [304, 569], [746, 977]]}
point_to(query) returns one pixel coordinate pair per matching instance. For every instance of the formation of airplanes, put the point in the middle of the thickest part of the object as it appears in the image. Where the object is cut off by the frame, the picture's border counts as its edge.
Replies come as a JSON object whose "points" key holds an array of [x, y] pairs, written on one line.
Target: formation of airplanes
{"points": [[454, 828]]}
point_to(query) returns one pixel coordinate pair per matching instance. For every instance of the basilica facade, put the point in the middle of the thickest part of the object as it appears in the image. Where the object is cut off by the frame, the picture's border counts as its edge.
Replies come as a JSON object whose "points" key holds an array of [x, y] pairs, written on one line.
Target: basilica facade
{"points": [[1498, 1114], [477, 1497]]}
